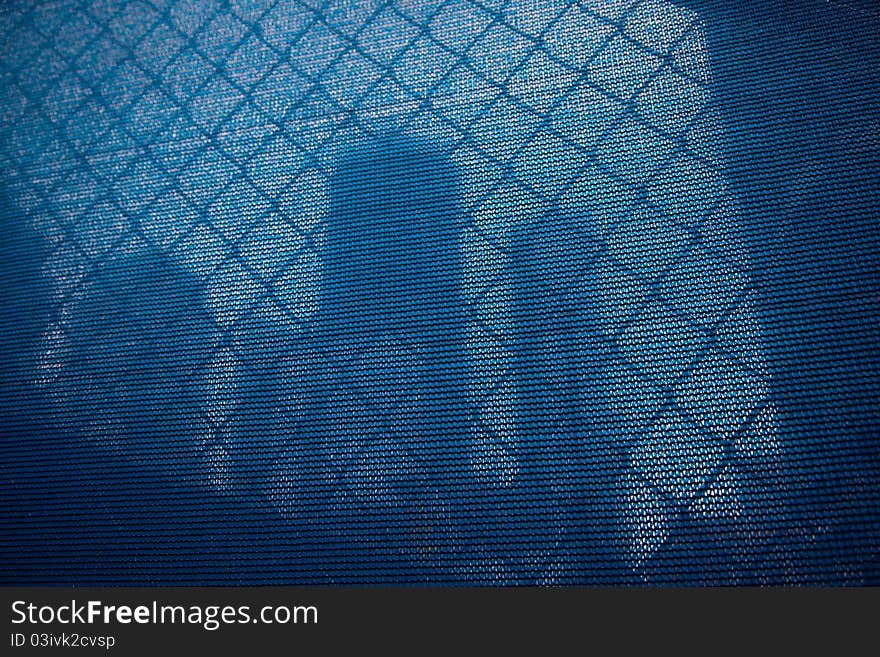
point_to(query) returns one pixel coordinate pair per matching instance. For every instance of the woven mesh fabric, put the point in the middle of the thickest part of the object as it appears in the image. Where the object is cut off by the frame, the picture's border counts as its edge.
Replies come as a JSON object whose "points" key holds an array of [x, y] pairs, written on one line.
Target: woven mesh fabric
{"points": [[409, 290]]}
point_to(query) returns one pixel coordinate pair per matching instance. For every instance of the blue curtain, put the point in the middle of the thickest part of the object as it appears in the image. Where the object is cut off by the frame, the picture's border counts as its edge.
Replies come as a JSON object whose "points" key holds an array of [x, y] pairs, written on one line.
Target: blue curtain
{"points": [[439, 291]]}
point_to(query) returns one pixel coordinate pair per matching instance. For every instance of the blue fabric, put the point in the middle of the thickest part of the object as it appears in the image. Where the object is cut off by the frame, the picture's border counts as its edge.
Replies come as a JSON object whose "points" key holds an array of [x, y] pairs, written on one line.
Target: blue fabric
{"points": [[494, 292]]}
